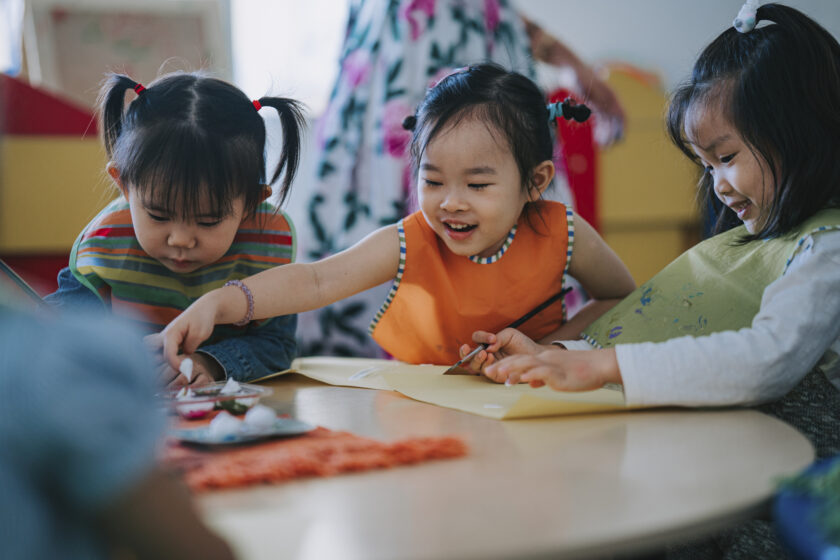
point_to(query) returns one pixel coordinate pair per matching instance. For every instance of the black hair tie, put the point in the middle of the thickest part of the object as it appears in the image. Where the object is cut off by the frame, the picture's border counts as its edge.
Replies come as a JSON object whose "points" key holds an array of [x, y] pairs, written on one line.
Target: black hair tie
{"points": [[409, 122], [569, 110]]}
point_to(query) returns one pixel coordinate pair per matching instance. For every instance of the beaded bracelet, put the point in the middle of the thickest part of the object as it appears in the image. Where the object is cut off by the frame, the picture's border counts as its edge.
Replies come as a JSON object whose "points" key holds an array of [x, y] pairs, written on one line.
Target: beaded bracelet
{"points": [[249, 296]]}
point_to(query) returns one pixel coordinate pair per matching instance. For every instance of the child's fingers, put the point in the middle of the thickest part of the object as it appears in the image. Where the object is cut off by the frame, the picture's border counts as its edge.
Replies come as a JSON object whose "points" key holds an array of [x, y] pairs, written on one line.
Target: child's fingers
{"points": [[202, 378], [171, 348], [153, 342], [167, 375], [484, 337], [478, 361], [513, 367], [179, 381]]}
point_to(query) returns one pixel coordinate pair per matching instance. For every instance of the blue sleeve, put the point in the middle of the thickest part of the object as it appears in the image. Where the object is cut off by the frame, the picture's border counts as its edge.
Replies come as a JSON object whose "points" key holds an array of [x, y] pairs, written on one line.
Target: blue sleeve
{"points": [[77, 409], [264, 349], [72, 294]]}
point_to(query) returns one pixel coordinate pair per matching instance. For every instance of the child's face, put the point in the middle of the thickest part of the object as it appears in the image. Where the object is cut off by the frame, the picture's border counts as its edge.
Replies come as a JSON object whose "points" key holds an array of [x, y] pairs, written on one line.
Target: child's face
{"points": [[469, 188], [180, 245], [741, 180]]}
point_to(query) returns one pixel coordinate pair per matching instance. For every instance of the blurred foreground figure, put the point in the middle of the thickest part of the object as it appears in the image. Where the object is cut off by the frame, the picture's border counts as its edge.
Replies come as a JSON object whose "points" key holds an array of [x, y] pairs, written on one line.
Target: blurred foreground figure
{"points": [[79, 430]]}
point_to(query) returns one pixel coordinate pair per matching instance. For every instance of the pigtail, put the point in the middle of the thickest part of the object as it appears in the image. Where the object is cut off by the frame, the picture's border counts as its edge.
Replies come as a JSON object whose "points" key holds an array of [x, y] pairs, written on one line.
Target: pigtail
{"points": [[111, 105], [292, 121]]}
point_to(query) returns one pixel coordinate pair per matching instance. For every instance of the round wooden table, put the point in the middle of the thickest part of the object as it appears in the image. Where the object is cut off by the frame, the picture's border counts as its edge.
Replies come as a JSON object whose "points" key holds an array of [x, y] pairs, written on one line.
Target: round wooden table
{"points": [[571, 487]]}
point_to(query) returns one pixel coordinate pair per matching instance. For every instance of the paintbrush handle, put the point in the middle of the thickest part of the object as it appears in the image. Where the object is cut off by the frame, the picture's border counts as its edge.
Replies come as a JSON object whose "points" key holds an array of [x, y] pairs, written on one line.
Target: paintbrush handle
{"points": [[539, 308], [513, 325]]}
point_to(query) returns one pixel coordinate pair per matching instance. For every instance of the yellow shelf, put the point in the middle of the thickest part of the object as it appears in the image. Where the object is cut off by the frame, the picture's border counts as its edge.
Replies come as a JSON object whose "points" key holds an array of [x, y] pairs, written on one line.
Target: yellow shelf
{"points": [[50, 188]]}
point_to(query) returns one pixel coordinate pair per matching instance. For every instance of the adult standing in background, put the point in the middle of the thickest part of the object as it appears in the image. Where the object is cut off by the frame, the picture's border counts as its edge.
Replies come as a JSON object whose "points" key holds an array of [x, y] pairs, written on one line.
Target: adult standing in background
{"points": [[393, 51]]}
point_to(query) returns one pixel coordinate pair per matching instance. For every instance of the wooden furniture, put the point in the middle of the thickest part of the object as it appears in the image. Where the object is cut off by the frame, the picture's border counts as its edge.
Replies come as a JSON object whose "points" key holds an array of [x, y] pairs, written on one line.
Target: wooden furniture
{"points": [[647, 187], [572, 487]]}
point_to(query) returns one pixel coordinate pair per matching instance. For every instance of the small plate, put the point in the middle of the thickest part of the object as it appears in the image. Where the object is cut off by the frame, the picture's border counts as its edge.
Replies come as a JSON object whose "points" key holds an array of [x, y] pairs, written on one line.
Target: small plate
{"points": [[210, 394], [283, 427]]}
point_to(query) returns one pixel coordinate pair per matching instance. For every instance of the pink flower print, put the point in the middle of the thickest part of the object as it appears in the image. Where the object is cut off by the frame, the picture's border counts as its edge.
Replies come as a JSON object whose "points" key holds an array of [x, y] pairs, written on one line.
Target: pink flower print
{"points": [[492, 15], [355, 68], [394, 137], [425, 6]]}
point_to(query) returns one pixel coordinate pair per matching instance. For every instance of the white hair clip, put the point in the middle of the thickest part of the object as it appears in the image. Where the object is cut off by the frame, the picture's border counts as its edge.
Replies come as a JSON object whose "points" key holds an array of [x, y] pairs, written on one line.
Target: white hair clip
{"points": [[745, 20]]}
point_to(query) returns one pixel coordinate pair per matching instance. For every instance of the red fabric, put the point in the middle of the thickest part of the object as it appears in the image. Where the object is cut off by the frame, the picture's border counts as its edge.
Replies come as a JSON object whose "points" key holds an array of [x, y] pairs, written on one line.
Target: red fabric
{"points": [[25, 110], [321, 452], [578, 156], [39, 271]]}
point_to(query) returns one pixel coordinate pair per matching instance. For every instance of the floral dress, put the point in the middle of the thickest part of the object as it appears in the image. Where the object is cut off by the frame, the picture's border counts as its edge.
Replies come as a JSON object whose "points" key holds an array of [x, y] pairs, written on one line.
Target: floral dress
{"points": [[393, 51]]}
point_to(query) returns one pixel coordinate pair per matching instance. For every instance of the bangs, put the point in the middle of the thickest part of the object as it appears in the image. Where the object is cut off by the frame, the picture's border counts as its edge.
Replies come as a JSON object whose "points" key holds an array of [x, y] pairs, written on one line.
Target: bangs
{"points": [[185, 174], [688, 107]]}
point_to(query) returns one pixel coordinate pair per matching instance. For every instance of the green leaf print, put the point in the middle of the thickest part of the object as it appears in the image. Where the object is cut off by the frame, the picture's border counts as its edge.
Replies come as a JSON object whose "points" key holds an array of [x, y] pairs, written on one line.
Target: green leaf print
{"points": [[394, 71], [354, 208]]}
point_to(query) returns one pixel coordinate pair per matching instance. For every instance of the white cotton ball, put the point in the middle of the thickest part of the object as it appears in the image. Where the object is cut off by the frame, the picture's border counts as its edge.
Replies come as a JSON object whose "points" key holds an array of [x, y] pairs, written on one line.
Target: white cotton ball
{"points": [[231, 387], [223, 427], [260, 418], [186, 368]]}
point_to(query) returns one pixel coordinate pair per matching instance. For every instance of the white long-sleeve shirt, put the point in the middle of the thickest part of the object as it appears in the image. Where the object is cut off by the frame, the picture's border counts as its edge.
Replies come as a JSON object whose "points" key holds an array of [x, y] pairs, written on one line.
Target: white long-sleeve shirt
{"points": [[798, 323]]}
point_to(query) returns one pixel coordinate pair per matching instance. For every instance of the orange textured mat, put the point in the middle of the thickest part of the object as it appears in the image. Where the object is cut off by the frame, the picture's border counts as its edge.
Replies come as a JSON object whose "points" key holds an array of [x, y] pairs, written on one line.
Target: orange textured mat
{"points": [[321, 452]]}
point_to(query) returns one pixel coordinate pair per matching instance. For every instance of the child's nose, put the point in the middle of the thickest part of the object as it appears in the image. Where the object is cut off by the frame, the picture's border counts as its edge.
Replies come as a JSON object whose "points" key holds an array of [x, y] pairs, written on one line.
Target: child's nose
{"points": [[721, 186], [181, 237], [453, 200]]}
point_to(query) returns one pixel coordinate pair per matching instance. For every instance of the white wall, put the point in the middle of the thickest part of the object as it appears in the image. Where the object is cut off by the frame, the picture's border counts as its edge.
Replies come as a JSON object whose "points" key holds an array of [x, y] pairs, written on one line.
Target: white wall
{"points": [[664, 36]]}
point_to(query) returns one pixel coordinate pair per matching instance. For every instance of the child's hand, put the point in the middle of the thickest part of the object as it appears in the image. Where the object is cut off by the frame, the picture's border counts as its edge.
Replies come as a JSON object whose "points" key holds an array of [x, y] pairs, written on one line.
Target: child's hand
{"points": [[562, 370], [187, 331], [205, 370], [507, 342]]}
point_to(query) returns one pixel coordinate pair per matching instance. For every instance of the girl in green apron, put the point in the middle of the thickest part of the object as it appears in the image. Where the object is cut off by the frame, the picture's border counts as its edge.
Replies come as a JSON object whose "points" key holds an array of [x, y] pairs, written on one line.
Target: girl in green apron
{"points": [[751, 316]]}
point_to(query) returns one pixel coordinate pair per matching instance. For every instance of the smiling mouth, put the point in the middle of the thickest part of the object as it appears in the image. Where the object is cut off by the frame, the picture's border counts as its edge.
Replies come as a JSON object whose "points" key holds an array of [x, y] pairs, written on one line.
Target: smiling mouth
{"points": [[459, 228], [741, 208]]}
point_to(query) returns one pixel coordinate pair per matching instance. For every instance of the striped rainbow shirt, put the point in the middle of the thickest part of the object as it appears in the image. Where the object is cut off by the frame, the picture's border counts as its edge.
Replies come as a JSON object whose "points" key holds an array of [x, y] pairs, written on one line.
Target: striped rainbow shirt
{"points": [[108, 259]]}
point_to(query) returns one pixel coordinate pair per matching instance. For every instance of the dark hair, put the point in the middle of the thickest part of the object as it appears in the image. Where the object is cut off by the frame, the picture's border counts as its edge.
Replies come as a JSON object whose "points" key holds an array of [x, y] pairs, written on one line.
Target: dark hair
{"points": [[779, 87], [508, 101], [188, 136]]}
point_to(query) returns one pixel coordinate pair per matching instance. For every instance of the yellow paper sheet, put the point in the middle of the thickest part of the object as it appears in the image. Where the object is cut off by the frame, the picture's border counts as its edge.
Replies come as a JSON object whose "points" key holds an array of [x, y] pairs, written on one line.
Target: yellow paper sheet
{"points": [[470, 393]]}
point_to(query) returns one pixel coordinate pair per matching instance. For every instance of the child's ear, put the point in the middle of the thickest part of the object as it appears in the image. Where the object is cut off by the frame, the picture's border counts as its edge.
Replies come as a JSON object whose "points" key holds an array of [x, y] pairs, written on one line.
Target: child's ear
{"points": [[266, 192], [112, 170], [540, 179]]}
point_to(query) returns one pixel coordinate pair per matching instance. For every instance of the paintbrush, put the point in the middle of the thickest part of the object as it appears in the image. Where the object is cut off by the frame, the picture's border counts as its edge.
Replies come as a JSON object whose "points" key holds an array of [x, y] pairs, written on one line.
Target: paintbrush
{"points": [[453, 369]]}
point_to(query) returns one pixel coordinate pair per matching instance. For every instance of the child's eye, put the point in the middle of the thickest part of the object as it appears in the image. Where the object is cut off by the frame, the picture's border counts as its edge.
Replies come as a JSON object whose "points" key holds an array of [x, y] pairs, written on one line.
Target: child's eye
{"points": [[727, 159], [157, 218], [432, 183], [211, 223], [478, 186]]}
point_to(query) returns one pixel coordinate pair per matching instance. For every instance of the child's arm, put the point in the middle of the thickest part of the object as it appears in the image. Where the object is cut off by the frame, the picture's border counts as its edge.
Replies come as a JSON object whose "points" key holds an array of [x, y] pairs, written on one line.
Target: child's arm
{"points": [[262, 350], [600, 272], [796, 325], [72, 294], [287, 289]]}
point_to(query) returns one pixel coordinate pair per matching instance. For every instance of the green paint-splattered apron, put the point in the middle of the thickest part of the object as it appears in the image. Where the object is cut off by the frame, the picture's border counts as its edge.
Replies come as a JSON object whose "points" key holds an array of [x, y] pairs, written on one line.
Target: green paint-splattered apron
{"points": [[717, 286], [714, 286]]}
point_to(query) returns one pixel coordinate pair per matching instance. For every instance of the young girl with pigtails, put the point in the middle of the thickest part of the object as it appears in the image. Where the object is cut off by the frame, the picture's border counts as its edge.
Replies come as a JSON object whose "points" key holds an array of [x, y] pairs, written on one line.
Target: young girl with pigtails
{"points": [[483, 249], [188, 157]]}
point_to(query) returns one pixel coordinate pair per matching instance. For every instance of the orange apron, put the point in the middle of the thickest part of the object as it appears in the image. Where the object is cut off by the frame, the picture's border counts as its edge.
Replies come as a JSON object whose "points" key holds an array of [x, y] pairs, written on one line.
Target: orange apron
{"points": [[440, 298]]}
